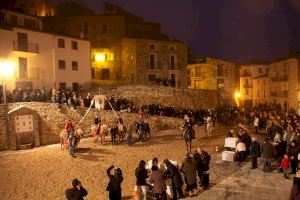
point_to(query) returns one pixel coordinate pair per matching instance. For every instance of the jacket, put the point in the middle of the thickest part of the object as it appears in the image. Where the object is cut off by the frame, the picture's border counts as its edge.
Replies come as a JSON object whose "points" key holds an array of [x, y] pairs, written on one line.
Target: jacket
{"points": [[141, 175], [285, 163], [255, 150], [157, 178], [190, 171], [202, 161], [295, 191], [173, 173], [267, 150], [75, 194], [115, 181]]}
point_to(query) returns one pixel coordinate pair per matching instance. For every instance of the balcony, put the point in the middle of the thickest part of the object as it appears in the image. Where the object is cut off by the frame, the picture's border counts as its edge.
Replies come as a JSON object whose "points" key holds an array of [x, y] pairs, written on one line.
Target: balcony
{"points": [[279, 94], [248, 86], [25, 47], [280, 78], [174, 66], [246, 74]]}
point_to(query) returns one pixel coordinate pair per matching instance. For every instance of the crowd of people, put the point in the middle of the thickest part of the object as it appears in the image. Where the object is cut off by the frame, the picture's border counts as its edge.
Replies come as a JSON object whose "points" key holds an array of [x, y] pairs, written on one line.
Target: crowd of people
{"points": [[157, 179]]}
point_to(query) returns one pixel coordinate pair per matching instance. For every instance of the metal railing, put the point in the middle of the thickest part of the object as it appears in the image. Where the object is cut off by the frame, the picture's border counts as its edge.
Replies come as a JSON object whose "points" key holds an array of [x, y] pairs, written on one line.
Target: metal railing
{"points": [[26, 47]]}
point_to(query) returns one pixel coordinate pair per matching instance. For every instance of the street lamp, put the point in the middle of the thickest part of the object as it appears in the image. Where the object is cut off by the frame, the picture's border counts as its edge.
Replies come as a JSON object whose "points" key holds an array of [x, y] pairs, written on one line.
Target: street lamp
{"points": [[6, 70], [237, 96]]}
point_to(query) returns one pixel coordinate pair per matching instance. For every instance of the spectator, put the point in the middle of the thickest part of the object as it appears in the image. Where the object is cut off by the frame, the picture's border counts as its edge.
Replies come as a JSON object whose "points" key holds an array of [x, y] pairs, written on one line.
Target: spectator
{"points": [[114, 185], [77, 192], [295, 191], [285, 164], [202, 159], [141, 175], [268, 151], [158, 180], [190, 173], [293, 154], [254, 152]]}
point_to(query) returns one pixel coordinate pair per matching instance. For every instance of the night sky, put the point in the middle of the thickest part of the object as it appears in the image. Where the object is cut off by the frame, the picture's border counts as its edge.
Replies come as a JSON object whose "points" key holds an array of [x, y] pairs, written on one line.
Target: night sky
{"points": [[238, 30]]}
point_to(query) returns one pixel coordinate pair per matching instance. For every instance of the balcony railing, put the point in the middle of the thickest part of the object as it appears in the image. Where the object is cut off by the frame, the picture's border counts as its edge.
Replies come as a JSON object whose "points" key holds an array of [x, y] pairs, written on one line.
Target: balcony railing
{"points": [[279, 94], [280, 78], [248, 86], [175, 66], [26, 47], [246, 74]]}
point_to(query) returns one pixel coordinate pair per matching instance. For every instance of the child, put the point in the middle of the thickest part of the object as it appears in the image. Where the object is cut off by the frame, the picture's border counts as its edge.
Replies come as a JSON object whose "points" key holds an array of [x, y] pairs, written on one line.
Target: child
{"points": [[285, 164]]}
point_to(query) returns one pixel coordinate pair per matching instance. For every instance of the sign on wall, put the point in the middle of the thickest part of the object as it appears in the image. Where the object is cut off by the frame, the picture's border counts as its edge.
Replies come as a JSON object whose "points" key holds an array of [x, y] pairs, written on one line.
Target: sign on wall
{"points": [[23, 123], [99, 102]]}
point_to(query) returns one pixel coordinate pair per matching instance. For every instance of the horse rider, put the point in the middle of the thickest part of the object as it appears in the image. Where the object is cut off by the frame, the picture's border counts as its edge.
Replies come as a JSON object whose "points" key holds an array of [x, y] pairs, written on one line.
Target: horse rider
{"points": [[188, 125]]}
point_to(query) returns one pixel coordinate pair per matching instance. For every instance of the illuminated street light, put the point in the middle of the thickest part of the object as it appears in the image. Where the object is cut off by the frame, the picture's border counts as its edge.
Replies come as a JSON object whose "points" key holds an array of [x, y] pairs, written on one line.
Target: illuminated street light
{"points": [[6, 70], [237, 95], [100, 57]]}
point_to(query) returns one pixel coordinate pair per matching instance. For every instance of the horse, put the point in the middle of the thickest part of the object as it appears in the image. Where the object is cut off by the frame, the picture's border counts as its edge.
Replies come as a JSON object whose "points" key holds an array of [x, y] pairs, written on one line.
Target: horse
{"points": [[102, 131], [209, 126], [188, 136], [64, 140], [143, 130]]}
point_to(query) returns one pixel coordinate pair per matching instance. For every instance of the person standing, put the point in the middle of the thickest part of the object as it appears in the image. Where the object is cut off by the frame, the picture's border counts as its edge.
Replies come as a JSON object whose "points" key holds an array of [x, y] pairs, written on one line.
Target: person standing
{"points": [[76, 192], [114, 186], [268, 151], [173, 173], [190, 173], [158, 179], [256, 123], [285, 164], [141, 175], [202, 159], [295, 191], [293, 153], [254, 152]]}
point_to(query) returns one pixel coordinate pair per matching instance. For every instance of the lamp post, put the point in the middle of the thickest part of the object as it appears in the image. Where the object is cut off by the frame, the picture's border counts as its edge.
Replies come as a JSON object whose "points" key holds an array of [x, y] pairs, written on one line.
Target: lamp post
{"points": [[6, 70]]}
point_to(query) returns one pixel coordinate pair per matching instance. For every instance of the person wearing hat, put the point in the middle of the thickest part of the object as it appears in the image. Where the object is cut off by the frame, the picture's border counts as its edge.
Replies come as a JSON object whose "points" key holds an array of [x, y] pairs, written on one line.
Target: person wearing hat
{"points": [[114, 186], [76, 192]]}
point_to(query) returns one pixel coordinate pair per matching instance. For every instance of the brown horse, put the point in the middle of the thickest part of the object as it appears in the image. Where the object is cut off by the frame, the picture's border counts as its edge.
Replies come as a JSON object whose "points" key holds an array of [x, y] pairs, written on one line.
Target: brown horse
{"points": [[64, 142]]}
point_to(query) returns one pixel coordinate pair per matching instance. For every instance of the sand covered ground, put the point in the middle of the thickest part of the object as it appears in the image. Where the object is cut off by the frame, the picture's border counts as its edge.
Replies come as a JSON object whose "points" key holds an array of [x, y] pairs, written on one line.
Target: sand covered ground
{"points": [[45, 172]]}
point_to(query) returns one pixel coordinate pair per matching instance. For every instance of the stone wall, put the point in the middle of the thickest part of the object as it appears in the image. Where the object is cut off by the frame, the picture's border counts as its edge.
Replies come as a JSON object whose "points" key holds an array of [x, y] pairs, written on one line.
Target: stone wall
{"points": [[3, 122], [166, 96], [53, 117]]}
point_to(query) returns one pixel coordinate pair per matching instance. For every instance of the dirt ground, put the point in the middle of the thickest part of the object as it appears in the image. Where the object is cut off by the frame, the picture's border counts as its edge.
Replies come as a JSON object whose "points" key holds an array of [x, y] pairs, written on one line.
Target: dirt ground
{"points": [[45, 172]]}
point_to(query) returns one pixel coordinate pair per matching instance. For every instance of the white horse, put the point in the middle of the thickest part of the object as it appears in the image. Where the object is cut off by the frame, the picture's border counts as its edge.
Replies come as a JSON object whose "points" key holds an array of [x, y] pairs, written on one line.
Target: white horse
{"points": [[209, 126]]}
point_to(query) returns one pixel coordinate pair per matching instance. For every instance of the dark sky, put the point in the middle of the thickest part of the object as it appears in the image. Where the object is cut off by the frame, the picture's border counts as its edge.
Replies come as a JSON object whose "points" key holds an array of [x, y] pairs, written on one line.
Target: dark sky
{"points": [[239, 30]]}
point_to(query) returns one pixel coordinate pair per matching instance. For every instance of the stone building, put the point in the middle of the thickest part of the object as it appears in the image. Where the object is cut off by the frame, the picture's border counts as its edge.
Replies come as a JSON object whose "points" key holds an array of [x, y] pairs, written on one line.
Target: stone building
{"points": [[42, 59], [249, 72], [215, 74], [116, 30], [260, 93], [284, 78]]}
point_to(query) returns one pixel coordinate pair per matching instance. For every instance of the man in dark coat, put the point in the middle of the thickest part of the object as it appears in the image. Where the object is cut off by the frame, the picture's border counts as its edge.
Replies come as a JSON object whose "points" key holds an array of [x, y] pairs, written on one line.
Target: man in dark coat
{"points": [[141, 175], [77, 192], [295, 191], [293, 154], [268, 152], [246, 139], [202, 159], [254, 152], [190, 172], [114, 185], [173, 173]]}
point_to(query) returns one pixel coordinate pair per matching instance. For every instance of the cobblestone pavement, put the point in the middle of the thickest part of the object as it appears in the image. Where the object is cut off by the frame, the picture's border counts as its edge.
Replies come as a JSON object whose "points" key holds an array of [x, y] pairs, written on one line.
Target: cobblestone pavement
{"points": [[231, 181]]}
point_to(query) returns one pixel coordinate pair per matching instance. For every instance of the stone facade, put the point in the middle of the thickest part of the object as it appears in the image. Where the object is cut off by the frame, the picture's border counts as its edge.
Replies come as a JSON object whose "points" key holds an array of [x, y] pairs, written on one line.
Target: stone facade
{"points": [[169, 60], [215, 74], [3, 128], [50, 119], [20, 137]]}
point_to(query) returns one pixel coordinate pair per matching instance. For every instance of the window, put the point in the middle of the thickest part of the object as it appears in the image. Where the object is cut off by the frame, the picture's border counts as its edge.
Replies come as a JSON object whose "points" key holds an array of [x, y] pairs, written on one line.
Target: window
{"points": [[260, 70], [105, 74], [85, 27], [61, 43], [151, 77], [74, 45], [93, 73], [152, 46], [220, 70], [173, 48], [247, 92], [197, 71], [74, 65], [75, 86], [62, 85], [152, 61], [221, 84], [61, 64], [104, 28], [23, 71], [258, 93], [172, 62]]}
